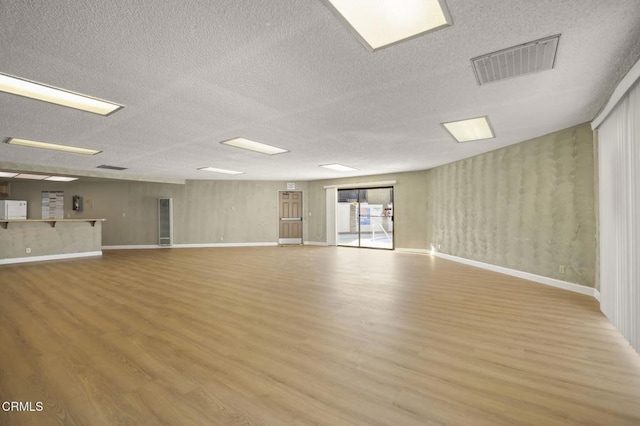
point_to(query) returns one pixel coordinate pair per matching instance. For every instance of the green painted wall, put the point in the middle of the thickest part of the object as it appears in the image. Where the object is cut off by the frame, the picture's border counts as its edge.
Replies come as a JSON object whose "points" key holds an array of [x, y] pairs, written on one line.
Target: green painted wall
{"points": [[529, 206]]}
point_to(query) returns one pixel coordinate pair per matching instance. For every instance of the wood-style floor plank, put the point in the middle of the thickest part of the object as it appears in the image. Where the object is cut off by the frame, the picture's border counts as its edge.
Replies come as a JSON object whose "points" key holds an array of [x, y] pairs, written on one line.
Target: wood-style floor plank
{"points": [[301, 336]]}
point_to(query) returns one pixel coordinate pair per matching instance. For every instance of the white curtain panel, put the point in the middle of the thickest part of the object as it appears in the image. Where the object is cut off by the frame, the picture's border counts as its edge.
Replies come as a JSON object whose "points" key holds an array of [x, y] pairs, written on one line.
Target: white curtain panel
{"points": [[619, 180]]}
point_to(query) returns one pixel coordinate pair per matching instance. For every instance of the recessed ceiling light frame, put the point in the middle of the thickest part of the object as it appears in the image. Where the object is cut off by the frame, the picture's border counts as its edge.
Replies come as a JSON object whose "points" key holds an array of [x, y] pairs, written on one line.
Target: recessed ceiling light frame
{"points": [[250, 145], [51, 146], [384, 23], [60, 178], [470, 129], [338, 167], [217, 170], [54, 95], [30, 176], [34, 176]]}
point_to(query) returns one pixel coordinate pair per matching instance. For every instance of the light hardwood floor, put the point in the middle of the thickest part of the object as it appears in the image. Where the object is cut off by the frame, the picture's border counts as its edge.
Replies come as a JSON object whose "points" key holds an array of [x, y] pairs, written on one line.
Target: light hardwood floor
{"points": [[304, 335]]}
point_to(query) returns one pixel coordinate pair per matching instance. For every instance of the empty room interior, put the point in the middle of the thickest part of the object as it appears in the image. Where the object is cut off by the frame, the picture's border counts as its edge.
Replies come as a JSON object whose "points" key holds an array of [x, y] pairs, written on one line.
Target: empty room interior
{"points": [[327, 212]]}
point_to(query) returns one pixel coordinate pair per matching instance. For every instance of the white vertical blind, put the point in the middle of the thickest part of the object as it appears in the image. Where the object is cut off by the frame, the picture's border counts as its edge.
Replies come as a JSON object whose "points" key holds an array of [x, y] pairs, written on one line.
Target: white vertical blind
{"points": [[619, 180]]}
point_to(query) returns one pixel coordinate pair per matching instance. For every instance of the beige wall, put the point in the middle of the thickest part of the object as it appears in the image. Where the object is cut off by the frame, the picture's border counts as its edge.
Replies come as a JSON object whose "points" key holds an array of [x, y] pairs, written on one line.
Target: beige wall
{"points": [[44, 240], [410, 196], [529, 206], [204, 211]]}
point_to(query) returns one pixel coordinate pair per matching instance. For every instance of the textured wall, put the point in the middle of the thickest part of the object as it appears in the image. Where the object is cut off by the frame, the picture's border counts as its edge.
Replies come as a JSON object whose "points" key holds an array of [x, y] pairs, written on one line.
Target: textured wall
{"points": [[410, 204], [43, 239], [234, 211], [204, 211], [529, 206]]}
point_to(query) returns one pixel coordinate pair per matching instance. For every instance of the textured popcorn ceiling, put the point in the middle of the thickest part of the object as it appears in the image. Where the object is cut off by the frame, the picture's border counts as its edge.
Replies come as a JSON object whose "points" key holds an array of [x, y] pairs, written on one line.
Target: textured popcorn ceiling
{"points": [[288, 73]]}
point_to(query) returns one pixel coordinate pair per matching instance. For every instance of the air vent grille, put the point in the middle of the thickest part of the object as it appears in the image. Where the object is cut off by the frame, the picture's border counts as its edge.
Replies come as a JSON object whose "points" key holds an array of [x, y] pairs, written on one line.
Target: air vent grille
{"points": [[538, 55], [104, 166]]}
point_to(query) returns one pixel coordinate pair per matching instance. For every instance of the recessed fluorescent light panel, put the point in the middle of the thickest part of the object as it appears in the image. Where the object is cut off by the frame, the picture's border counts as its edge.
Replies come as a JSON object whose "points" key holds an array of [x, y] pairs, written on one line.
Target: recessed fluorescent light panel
{"points": [[215, 170], [381, 23], [53, 146], [339, 168], [61, 179], [42, 92], [30, 176], [37, 177], [254, 146], [473, 129]]}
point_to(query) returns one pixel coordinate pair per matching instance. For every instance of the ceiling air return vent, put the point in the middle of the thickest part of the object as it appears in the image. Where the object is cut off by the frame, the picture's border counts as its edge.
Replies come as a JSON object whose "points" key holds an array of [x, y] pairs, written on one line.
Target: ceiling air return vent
{"points": [[104, 166], [537, 55]]}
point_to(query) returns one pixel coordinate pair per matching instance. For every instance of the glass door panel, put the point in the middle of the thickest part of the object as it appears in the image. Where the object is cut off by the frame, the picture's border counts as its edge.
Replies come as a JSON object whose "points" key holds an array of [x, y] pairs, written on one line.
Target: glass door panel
{"points": [[348, 218], [365, 218], [376, 218]]}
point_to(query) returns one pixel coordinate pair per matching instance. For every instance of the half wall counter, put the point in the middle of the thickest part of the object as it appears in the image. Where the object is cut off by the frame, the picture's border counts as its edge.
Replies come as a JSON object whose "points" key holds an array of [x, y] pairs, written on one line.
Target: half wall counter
{"points": [[34, 240]]}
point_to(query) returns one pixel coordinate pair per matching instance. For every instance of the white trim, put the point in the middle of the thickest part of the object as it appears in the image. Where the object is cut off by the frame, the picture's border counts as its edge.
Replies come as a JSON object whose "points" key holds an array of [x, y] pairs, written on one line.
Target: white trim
{"points": [[289, 240], [263, 244], [134, 247], [49, 257], [315, 243], [621, 89], [576, 288], [596, 294], [413, 251], [204, 245], [363, 185], [331, 207]]}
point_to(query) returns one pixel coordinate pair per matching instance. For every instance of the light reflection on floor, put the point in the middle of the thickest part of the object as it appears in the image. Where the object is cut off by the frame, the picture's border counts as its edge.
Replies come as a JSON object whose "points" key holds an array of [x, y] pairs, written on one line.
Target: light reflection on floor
{"points": [[367, 239]]}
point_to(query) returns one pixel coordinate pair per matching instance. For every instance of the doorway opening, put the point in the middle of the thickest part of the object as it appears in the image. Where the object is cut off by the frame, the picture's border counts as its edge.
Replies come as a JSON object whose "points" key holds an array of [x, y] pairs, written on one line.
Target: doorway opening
{"points": [[365, 217]]}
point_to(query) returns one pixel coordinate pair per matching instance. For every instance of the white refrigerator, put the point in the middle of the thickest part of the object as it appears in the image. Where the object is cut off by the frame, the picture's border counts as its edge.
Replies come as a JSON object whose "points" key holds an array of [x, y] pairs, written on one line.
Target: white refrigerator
{"points": [[13, 209]]}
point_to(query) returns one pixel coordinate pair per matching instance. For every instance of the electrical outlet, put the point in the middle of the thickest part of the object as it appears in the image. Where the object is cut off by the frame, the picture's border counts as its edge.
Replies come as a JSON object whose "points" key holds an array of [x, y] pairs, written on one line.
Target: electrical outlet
{"points": [[439, 246], [28, 250], [561, 269]]}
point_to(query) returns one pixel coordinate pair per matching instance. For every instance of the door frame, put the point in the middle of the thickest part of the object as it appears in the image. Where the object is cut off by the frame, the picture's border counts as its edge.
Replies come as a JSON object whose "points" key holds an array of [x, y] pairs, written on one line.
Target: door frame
{"points": [[331, 206], [278, 215]]}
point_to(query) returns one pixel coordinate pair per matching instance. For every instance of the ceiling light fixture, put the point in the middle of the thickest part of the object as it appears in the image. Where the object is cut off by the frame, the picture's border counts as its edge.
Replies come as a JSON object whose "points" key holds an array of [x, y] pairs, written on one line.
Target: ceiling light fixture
{"points": [[381, 23], [254, 146], [53, 146], [42, 92], [215, 170], [30, 176], [61, 179], [7, 174], [472, 129], [339, 167]]}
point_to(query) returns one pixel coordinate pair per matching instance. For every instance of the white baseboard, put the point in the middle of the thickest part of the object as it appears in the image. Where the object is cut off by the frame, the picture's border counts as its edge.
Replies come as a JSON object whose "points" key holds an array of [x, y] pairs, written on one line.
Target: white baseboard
{"points": [[412, 251], [133, 247], [204, 245], [49, 257], [314, 243], [576, 288]]}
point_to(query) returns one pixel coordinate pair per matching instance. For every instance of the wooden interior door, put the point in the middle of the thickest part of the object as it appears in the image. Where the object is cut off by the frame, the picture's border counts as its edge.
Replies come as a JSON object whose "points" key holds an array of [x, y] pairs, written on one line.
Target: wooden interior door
{"points": [[290, 217]]}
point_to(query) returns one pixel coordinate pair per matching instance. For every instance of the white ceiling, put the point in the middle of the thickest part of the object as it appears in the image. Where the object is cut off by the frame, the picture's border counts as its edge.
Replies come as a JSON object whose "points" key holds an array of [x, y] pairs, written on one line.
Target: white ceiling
{"points": [[290, 74]]}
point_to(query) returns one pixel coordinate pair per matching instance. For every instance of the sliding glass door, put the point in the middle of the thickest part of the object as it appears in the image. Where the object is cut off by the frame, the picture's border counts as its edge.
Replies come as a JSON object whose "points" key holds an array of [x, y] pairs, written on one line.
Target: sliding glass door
{"points": [[365, 217]]}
